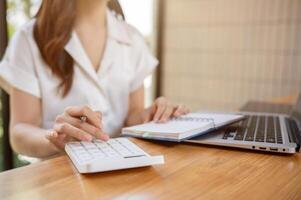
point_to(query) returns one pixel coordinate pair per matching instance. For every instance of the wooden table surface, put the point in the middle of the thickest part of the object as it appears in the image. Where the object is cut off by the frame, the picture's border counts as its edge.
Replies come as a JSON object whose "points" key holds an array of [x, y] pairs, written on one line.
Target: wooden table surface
{"points": [[190, 172]]}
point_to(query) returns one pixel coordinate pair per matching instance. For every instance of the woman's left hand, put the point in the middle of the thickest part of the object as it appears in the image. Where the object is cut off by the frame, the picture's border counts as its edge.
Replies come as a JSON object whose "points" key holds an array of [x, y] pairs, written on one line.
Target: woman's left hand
{"points": [[162, 110]]}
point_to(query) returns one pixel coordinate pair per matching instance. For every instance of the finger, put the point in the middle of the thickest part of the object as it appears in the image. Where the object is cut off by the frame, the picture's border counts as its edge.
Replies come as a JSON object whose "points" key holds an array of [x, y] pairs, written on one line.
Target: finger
{"points": [[51, 134], [161, 100], [78, 111], [99, 114], [167, 114], [159, 111], [54, 136], [56, 139], [86, 127], [186, 110], [180, 110], [92, 130], [105, 137], [65, 128]]}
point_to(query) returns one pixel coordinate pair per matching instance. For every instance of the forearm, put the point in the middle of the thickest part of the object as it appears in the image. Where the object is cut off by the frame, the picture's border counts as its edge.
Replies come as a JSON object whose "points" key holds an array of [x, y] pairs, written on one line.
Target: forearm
{"points": [[30, 140], [134, 118]]}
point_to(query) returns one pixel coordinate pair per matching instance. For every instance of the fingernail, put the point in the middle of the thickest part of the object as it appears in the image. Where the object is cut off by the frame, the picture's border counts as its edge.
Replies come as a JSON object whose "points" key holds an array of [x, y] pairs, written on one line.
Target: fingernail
{"points": [[89, 138], [52, 134], [105, 137]]}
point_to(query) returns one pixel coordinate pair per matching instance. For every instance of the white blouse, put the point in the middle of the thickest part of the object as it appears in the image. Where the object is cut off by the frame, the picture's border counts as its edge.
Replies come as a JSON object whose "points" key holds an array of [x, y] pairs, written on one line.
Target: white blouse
{"points": [[127, 61]]}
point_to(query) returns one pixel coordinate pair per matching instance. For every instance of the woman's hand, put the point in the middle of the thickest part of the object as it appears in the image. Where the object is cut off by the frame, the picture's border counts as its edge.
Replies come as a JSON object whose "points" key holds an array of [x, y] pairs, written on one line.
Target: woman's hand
{"points": [[69, 127], [162, 110]]}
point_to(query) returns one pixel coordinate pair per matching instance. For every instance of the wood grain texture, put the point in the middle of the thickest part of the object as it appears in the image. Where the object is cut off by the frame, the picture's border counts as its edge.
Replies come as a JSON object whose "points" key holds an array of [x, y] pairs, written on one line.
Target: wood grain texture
{"points": [[190, 172]]}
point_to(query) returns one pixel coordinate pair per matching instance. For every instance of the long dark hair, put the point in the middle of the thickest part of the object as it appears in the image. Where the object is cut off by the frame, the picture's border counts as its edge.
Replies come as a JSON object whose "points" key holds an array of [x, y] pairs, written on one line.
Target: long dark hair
{"points": [[52, 31]]}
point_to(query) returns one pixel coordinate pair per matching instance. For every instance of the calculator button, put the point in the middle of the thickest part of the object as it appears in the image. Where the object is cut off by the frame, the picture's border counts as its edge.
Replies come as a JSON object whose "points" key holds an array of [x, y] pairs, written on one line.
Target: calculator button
{"points": [[88, 145]]}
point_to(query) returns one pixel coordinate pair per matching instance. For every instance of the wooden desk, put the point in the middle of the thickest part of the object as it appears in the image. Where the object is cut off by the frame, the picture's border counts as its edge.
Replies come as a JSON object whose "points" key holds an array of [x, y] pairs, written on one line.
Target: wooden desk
{"points": [[190, 172]]}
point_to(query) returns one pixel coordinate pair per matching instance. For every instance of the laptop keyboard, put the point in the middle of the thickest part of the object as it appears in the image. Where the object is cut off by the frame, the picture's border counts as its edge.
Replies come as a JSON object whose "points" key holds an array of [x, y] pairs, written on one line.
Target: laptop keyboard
{"points": [[257, 129]]}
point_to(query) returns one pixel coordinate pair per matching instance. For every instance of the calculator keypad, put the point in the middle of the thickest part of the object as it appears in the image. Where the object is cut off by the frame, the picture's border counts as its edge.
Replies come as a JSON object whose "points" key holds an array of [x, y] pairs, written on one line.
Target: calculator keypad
{"points": [[118, 148]]}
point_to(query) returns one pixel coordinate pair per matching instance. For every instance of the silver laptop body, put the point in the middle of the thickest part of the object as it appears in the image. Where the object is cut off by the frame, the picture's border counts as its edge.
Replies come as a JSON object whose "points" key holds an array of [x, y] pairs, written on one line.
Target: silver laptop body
{"points": [[260, 131]]}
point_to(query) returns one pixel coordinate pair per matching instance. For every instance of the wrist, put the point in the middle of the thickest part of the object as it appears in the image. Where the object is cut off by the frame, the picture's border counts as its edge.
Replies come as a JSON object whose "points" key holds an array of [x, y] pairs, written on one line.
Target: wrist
{"points": [[52, 148], [135, 118]]}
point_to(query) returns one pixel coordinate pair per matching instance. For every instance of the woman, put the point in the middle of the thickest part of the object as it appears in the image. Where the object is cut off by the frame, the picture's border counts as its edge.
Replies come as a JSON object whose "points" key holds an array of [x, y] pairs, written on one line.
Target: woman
{"points": [[76, 59]]}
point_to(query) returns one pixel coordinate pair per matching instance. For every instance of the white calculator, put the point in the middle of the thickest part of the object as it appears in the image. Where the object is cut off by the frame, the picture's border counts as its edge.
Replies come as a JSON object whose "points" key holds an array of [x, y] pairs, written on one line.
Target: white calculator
{"points": [[115, 154]]}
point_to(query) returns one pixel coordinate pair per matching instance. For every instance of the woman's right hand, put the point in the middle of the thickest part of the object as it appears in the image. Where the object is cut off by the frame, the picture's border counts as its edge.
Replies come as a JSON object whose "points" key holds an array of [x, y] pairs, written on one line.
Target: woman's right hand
{"points": [[69, 127]]}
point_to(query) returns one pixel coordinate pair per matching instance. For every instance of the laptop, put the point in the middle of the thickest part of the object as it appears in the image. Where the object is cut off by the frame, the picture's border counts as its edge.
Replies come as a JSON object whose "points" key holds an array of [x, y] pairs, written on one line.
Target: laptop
{"points": [[260, 131]]}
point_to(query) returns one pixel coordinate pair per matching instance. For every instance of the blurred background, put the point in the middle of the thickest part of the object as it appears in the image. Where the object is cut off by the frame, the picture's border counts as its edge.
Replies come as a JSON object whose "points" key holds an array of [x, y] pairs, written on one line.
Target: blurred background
{"points": [[214, 54], [219, 54]]}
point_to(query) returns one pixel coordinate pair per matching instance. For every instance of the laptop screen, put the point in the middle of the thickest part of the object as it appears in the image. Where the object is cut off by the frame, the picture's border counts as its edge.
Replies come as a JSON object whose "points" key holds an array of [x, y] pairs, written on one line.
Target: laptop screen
{"points": [[296, 112]]}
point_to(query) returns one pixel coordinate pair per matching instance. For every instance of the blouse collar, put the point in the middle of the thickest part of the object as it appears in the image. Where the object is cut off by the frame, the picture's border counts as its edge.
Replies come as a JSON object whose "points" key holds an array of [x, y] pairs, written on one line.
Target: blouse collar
{"points": [[117, 34]]}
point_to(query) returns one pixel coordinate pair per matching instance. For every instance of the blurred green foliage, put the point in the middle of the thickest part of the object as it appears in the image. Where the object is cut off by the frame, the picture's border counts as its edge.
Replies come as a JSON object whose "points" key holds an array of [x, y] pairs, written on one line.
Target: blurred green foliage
{"points": [[15, 7]]}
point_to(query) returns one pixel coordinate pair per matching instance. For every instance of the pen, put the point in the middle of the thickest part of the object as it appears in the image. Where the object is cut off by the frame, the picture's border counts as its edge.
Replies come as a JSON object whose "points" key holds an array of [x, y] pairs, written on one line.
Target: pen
{"points": [[83, 118]]}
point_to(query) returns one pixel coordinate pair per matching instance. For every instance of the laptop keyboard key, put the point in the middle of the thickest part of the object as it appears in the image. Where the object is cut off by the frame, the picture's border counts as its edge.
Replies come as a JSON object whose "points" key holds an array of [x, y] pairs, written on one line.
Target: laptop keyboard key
{"points": [[271, 140], [240, 134], [259, 139], [260, 133], [271, 130], [278, 130], [227, 134], [251, 129]]}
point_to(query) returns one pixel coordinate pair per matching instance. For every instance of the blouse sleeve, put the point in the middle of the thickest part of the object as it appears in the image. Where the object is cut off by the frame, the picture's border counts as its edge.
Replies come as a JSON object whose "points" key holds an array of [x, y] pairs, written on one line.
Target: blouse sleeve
{"points": [[145, 62], [17, 66]]}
